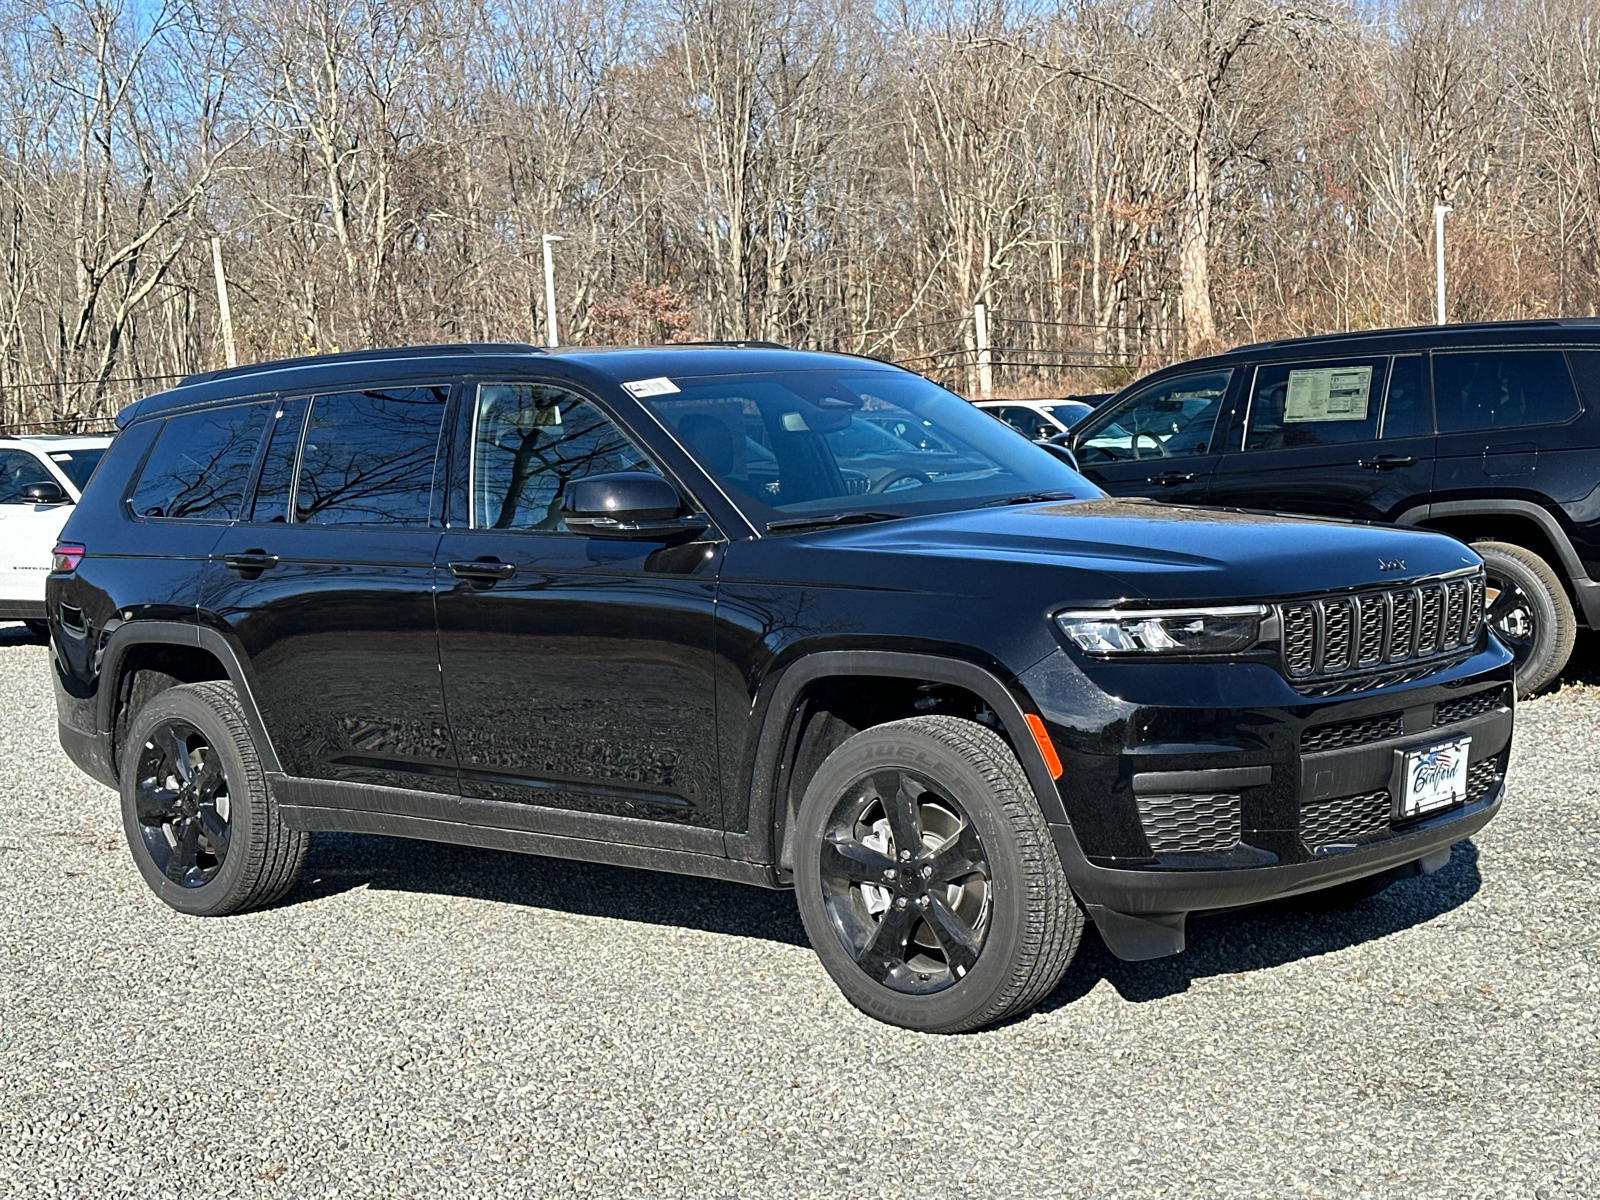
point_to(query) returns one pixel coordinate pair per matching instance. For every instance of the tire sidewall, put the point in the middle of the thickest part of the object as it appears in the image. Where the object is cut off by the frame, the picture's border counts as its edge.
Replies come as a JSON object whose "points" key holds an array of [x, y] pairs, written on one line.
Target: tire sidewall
{"points": [[221, 892], [1535, 669], [887, 748]]}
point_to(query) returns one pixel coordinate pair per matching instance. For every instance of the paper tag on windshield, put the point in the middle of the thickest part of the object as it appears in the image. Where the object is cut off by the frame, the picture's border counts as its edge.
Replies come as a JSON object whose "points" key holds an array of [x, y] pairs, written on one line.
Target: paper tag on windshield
{"points": [[659, 386]]}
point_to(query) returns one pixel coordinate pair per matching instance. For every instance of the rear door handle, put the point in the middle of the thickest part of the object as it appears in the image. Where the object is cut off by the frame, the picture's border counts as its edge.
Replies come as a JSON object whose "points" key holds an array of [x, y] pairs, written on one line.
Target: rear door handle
{"points": [[1386, 462], [487, 571], [255, 561], [1171, 478]]}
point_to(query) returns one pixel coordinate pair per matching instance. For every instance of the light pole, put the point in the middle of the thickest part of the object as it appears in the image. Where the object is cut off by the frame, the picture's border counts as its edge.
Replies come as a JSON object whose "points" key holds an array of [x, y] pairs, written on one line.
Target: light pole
{"points": [[1439, 211], [550, 291]]}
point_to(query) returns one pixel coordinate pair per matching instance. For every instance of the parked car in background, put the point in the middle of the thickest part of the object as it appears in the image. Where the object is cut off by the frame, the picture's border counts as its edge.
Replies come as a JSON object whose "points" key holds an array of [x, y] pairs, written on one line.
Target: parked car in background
{"points": [[41, 477], [1487, 432], [1040, 419], [697, 609]]}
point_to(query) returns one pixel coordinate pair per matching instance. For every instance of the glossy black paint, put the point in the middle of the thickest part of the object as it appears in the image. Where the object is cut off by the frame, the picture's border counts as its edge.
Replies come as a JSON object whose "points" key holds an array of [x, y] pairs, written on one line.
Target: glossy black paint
{"points": [[555, 691]]}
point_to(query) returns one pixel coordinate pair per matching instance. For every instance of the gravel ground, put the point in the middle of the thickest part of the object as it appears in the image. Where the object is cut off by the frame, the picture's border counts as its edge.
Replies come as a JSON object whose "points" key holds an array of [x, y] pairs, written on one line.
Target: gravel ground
{"points": [[427, 1021]]}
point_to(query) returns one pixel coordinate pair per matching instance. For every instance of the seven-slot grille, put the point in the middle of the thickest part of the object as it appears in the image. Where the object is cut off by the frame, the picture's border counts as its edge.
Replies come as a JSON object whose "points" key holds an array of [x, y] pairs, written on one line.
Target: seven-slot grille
{"points": [[1345, 634]]}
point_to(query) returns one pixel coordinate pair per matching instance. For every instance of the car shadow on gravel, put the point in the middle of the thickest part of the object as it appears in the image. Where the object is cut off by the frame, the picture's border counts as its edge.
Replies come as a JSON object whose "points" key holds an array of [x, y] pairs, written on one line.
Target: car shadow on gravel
{"points": [[341, 862], [1271, 935], [19, 635]]}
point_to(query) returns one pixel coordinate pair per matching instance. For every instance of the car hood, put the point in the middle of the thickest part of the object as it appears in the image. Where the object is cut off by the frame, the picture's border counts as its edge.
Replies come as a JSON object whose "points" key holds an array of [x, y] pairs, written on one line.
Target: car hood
{"points": [[1161, 553]]}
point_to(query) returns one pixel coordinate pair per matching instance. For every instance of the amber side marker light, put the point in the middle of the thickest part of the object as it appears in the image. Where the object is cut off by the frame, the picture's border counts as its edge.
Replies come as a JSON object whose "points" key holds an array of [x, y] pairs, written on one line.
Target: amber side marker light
{"points": [[1042, 739], [64, 559]]}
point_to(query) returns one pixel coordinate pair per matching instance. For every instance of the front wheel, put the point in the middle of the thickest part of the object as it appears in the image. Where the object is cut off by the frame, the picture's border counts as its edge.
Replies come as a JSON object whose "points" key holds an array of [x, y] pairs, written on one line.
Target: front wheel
{"points": [[927, 879], [1528, 610]]}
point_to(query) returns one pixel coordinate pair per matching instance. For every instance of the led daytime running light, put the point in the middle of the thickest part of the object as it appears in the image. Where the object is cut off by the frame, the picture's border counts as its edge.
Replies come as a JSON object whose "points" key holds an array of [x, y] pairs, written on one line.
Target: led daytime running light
{"points": [[1228, 630]]}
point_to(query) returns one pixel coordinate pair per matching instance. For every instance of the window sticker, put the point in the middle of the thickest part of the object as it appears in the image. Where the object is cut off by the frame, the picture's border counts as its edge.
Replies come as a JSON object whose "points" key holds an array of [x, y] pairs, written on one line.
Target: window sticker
{"points": [[659, 386], [1328, 394], [61, 458]]}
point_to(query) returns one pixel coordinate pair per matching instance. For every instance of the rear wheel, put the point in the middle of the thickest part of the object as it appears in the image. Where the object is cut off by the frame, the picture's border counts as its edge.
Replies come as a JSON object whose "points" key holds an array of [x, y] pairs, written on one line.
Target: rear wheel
{"points": [[198, 814], [927, 879], [1529, 611]]}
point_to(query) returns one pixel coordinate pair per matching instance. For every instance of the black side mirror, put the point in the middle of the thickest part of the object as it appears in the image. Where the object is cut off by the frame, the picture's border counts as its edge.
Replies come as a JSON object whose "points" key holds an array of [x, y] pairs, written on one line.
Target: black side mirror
{"points": [[628, 504], [45, 493], [1060, 450]]}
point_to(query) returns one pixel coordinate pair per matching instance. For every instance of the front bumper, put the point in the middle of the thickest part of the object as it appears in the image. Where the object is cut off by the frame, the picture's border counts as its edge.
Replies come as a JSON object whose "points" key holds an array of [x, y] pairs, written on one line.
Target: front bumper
{"points": [[1177, 801]]}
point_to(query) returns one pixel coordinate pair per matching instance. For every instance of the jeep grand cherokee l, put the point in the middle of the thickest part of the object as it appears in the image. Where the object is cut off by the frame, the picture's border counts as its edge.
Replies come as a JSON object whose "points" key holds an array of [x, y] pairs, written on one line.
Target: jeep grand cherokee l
{"points": [[1487, 432], [627, 606]]}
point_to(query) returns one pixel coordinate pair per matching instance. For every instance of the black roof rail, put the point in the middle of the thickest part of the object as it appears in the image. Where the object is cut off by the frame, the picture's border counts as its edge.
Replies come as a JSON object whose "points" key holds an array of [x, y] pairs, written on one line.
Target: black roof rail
{"points": [[749, 343], [1467, 326], [386, 352]]}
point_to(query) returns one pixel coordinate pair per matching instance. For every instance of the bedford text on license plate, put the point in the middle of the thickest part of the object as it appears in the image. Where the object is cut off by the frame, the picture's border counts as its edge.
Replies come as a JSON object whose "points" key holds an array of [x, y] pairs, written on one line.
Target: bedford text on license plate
{"points": [[1435, 777]]}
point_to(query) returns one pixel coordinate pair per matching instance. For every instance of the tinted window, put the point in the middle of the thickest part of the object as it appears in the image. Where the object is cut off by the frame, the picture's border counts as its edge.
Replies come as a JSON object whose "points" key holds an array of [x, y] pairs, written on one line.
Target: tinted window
{"points": [[78, 465], [531, 439], [824, 441], [368, 457], [1502, 389], [200, 464], [1023, 419], [1170, 419], [1407, 413], [1315, 404], [18, 469], [277, 469]]}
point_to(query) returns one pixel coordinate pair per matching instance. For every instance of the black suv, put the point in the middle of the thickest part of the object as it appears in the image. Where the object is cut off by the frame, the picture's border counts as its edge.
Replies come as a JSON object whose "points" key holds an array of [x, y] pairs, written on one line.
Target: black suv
{"points": [[674, 608], [1488, 432]]}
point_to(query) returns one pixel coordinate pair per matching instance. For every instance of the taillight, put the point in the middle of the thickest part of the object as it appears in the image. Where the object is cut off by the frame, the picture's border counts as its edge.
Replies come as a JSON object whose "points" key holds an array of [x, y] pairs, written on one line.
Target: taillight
{"points": [[64, 559]]}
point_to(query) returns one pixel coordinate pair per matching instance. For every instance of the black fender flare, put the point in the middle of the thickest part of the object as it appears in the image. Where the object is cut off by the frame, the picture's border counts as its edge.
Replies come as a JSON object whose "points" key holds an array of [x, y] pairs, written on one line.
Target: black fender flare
{"points": [[758, 843], [180, 633], [1571, 564]]}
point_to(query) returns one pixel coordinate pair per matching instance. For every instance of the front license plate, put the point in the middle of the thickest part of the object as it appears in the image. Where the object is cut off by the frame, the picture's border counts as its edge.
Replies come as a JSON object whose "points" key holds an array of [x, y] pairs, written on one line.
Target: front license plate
{"points": [[1435, 777]]}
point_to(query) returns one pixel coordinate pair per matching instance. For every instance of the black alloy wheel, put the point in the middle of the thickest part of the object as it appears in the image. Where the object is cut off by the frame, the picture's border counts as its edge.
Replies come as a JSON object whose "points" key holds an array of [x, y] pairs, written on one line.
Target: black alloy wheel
{"points": [[906, 882], [927, 879], [197, 810], [182, 803], [1527, 607]]}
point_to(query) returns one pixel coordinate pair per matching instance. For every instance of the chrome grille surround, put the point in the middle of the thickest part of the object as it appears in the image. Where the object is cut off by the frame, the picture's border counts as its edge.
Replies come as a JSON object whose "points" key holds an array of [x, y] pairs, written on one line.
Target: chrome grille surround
{"points": [[1191, 822], [1326, 638]]}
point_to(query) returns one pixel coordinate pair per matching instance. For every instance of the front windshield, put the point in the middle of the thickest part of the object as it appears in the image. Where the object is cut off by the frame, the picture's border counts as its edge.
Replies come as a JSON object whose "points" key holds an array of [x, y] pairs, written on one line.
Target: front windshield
{"points": [[823, 442], [78, 464]]}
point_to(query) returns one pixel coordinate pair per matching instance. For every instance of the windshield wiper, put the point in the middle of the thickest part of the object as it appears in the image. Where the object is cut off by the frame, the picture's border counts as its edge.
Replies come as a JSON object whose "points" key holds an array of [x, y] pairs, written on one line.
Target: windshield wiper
{"points": [[1029, 498], [849, 518]]}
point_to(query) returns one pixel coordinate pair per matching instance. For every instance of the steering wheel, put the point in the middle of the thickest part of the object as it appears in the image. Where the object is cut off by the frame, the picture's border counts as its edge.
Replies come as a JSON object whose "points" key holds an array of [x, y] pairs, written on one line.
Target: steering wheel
{"points": [[894, 477], [1161, 449]]}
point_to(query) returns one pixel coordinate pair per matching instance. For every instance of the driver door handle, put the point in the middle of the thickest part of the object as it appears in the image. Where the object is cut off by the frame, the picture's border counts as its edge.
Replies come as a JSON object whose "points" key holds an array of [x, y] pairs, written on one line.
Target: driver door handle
{"points": [[1171, 478], [1386, 462], [482, 571]]}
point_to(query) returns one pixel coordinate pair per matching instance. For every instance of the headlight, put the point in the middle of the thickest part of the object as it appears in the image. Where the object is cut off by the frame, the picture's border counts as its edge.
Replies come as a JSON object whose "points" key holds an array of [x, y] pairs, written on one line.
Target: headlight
{"points": [[1167, 631]]}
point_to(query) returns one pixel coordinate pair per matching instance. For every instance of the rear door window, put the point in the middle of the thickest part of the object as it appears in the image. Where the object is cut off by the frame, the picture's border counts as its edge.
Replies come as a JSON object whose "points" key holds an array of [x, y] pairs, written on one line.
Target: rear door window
{"points": [[1502, 389], [1406, 412], [368, 457], [200, 465], [1315, 404]]}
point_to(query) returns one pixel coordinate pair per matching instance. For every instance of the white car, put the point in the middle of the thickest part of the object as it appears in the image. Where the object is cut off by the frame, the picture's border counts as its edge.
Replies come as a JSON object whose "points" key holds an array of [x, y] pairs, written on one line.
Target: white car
{"points": [[41, 477], [1040, 419]]}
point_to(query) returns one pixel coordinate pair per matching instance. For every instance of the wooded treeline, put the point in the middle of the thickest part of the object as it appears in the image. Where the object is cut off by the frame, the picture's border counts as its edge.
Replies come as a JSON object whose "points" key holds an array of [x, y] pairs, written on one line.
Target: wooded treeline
{"points": [[1122, 182]]}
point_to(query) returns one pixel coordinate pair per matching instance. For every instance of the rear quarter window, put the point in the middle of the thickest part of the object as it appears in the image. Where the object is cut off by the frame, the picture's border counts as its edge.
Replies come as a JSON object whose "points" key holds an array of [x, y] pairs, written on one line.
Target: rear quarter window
{"points": [[200, 465], [1502, 389]]}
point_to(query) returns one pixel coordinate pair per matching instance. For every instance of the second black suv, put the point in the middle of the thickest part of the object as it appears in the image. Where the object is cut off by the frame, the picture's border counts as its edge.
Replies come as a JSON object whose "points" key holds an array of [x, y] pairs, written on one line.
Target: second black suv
{"points": [[1488, 432], [686, 609]]}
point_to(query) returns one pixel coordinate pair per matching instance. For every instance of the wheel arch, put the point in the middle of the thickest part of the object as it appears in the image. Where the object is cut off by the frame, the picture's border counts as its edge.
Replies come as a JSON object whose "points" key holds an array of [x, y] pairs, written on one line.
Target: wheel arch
{"points": [[1493, 517], [777, 748], [200, 654]]}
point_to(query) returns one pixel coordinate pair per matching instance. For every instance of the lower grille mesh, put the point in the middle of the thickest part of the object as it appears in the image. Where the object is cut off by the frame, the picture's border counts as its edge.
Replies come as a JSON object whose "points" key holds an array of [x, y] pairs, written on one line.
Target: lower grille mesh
{"points": [[1481, 778], [1352, 733], [1464, 708], [1329, 822], [1191, 823]]}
